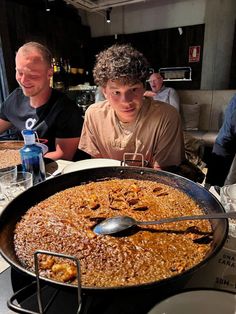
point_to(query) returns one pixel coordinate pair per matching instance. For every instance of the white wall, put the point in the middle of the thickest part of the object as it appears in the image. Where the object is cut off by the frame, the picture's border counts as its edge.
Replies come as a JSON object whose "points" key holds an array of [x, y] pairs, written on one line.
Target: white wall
{"points": [[146, 16], [218, 43]]}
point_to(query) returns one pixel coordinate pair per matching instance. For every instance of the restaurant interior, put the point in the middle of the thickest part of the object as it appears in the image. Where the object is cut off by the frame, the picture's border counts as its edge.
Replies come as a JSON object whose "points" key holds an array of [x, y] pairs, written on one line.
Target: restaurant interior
{"points": [[167, 32], [193, 44]]}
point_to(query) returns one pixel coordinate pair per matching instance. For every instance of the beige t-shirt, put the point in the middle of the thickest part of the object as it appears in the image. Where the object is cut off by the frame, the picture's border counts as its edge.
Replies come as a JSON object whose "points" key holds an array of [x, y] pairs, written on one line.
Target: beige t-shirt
{"points": [[156, 133]]}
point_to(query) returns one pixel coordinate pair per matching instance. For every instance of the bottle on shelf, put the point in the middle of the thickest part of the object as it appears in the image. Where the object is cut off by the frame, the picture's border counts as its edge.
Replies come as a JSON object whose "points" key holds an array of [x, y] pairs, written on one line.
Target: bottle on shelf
{"points": [[54, 65], [86, 78], [66, 69], [32, 157], [54, 70], [61, 73]]}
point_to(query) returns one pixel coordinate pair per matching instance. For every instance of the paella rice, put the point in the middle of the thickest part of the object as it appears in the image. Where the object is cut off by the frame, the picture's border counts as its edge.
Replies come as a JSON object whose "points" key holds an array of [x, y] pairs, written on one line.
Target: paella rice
{"points": [[64, 222]]}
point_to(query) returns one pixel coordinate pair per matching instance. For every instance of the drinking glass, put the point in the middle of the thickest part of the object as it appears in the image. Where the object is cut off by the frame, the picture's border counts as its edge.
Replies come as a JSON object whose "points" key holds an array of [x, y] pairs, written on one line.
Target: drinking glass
{"points": [[11, 171], [228, 197], [12, 186], [228, 200]]}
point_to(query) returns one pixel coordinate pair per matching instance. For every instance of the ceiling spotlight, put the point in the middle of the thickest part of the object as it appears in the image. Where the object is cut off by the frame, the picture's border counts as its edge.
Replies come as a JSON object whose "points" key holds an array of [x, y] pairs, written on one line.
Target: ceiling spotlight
{"points": [[180, 30], [47, 6], [108, 15]]}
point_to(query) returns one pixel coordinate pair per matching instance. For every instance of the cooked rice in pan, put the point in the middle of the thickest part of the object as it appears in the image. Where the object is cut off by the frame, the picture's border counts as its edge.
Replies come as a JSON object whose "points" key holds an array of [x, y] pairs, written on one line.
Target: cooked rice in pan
{"points": [[64, 222]]}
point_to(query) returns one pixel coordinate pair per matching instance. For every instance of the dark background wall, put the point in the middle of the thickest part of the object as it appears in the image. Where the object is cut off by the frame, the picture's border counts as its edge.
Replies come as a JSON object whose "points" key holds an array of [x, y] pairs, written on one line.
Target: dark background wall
{"points": [[62, 31], [163, 48]]}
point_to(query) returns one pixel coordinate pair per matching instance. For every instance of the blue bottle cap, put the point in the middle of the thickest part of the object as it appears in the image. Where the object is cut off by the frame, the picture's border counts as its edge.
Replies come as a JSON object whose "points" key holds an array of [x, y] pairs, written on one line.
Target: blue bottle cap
{"points": [[29, 136]]}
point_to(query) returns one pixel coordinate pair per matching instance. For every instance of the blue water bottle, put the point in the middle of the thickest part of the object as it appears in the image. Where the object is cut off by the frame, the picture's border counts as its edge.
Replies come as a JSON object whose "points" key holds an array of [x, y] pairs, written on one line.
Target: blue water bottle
{"points": [[32, 157]]}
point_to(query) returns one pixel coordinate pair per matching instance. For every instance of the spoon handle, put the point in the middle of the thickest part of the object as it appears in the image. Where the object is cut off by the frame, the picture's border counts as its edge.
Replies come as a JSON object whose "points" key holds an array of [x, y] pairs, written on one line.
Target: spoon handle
{"points": [[194, 217]]}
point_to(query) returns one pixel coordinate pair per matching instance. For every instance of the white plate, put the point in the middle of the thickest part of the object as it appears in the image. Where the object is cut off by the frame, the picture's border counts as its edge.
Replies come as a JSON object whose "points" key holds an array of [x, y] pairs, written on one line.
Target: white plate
{"points": [[90, 163], [197, 302]]}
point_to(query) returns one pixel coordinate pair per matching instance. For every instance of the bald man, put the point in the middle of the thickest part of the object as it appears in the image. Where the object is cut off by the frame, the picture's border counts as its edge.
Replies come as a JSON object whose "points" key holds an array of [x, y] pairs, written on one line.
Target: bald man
{"points": [[160, 92]]}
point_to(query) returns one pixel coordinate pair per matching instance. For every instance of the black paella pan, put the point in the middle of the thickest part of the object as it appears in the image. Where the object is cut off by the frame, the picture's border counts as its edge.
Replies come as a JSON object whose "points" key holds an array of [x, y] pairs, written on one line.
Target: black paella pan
{"points": [[14, 211]]}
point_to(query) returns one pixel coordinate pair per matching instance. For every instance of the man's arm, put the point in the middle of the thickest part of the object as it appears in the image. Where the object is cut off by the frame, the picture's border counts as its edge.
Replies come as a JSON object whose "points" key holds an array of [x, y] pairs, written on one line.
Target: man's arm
{"points": [[65, 149], [4, 125], [224, 148], [149, 93]]}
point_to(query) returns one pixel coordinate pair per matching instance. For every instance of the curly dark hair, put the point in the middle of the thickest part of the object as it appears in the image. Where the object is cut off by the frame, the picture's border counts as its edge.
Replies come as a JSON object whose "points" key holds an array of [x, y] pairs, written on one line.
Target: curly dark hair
{"points": [[120, 62]]}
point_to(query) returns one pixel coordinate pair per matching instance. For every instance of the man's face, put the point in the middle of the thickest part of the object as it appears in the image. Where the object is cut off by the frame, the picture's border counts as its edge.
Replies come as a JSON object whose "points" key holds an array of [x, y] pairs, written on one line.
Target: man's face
{"points": [[32, 72], [126, 100], [156, 82]]}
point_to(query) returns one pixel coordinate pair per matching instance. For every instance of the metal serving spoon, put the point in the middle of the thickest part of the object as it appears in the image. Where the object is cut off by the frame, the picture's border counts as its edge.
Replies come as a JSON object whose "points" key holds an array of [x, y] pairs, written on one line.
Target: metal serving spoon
{"points": [[120, 223]]}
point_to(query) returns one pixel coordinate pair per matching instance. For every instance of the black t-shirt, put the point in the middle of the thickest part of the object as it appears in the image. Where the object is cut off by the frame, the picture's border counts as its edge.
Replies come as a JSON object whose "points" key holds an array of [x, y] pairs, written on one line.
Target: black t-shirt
{"points": [[60, 117]]}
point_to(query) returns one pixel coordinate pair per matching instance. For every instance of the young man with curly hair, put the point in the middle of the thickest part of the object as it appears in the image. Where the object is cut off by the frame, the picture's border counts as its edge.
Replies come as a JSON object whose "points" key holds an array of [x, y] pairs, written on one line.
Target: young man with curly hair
{"points": [[127, 122]]}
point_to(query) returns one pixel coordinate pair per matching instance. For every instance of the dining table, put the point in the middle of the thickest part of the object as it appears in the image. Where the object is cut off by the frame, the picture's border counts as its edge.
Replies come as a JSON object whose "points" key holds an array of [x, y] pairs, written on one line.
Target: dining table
{"points": [[218, 273]]}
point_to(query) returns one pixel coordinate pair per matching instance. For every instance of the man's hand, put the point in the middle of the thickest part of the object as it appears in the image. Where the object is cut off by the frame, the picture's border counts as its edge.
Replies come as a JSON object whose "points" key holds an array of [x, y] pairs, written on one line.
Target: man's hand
{"points": [[65, 149], [149, 93]]}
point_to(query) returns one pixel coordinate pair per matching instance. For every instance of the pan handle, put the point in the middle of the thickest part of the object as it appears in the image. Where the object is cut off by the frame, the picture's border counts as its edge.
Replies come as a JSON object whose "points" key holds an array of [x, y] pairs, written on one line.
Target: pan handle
{"points": [[18, 309], [22, 294], [133, 158], [36, 263]]}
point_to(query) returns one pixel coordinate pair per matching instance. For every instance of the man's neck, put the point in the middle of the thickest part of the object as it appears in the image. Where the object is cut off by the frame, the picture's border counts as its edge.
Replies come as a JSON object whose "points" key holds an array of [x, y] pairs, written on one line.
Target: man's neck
{"points": [[39, 100]]}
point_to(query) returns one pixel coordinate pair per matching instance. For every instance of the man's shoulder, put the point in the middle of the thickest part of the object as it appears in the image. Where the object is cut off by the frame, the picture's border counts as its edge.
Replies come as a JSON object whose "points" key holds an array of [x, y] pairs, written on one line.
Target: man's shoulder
{"points": [[17, 91], [231, 107], [230, 115], [16, 94], [170, 89], [233, 101], [14, 102]]}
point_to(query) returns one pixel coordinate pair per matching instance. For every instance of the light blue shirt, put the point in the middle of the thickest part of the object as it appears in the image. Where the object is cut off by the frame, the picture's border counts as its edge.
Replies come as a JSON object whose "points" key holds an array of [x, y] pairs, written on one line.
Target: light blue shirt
{"points": [[168, 95]]}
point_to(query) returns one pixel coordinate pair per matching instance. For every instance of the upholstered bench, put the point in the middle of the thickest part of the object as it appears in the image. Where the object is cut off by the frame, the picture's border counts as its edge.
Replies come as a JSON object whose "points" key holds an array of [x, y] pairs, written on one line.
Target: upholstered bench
{"points": [[208, 137], [191, 115], [198, 143]]}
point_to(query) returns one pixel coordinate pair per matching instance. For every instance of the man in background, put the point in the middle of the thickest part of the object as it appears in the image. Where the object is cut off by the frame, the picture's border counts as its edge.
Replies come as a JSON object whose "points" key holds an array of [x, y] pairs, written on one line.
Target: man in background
{"points": [[35, 105], [161, 92], [193, 147]]}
